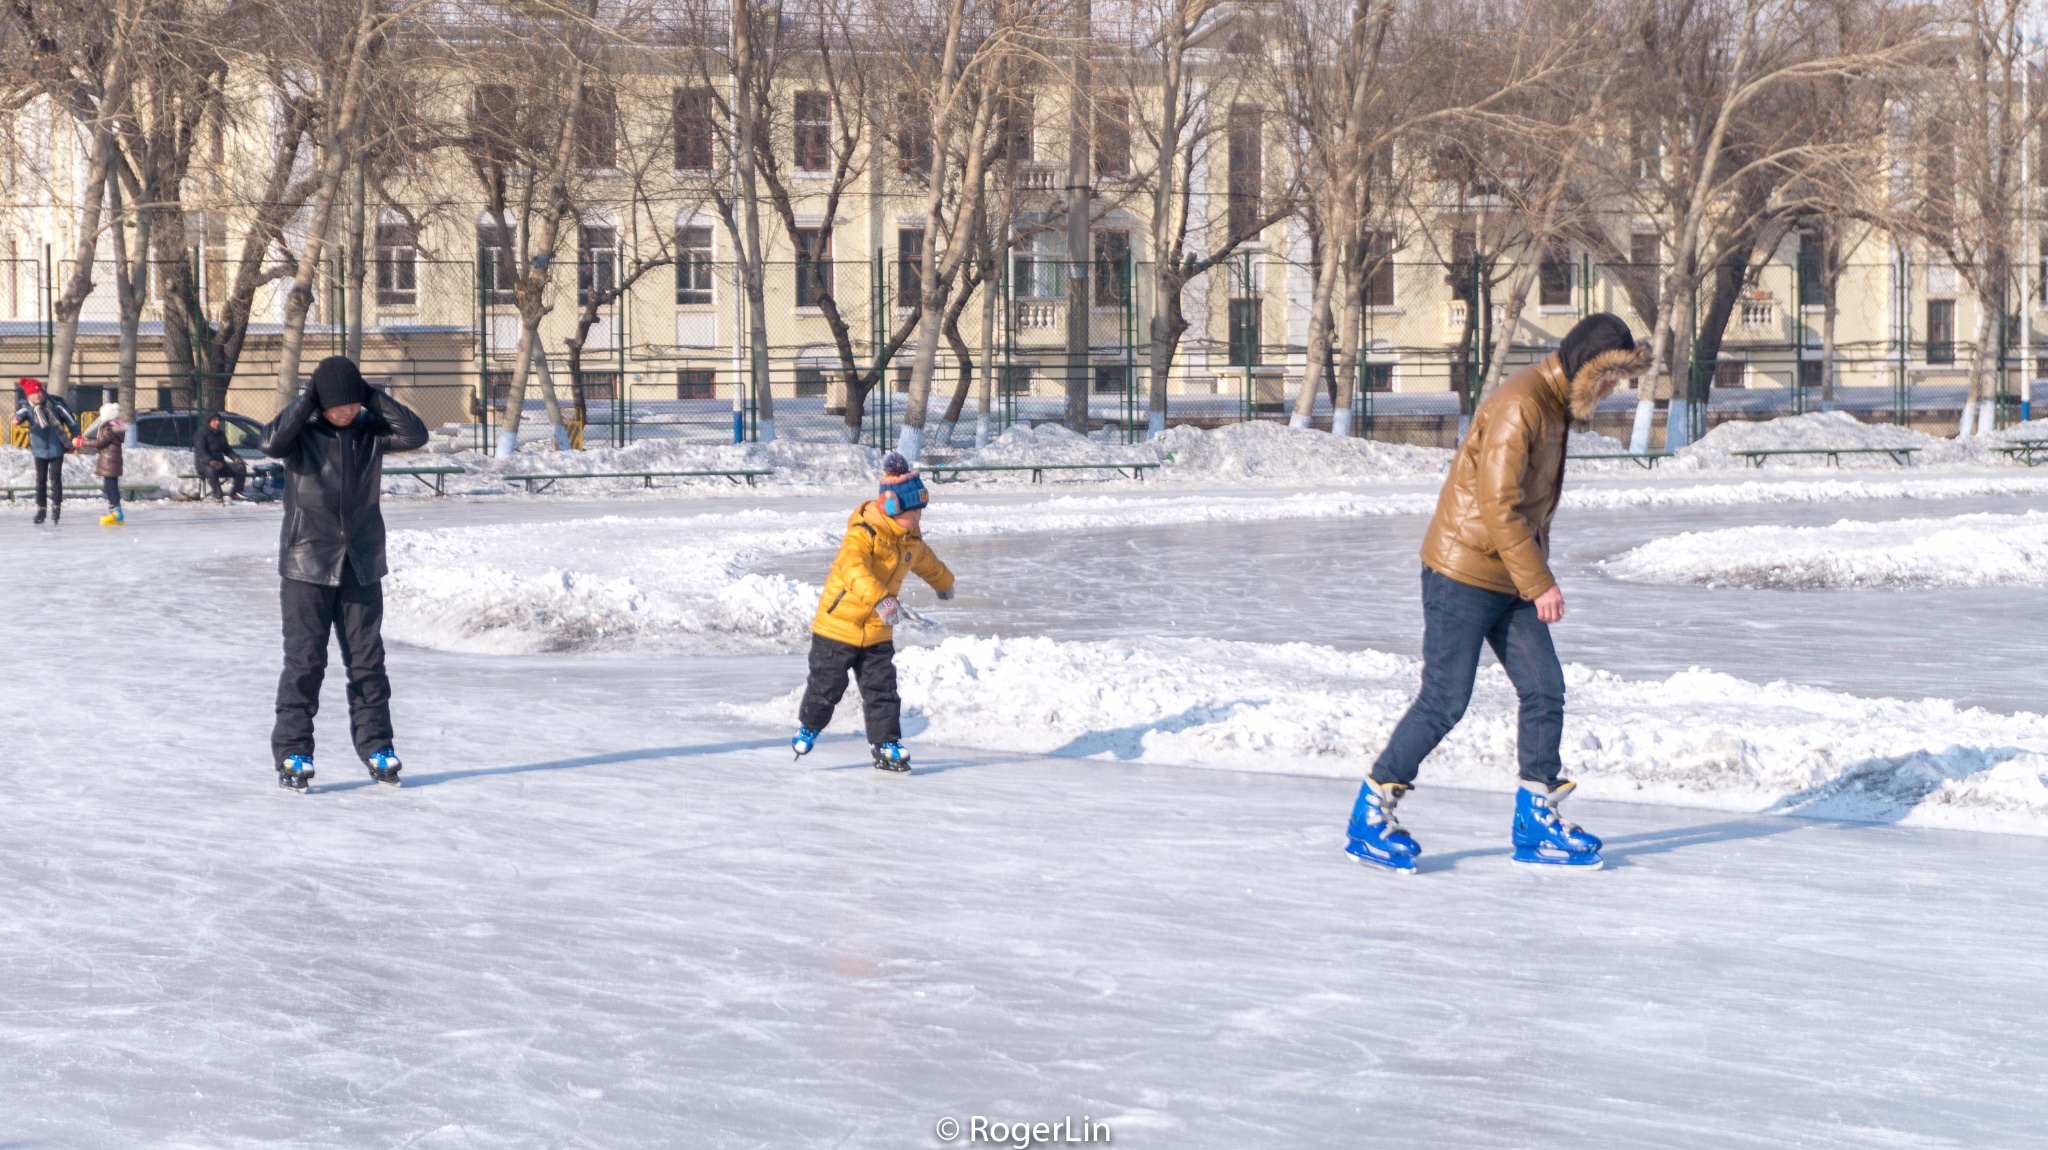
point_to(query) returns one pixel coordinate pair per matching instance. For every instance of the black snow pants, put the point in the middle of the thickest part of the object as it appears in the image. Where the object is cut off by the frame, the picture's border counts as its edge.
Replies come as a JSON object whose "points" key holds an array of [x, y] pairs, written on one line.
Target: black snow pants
{"points": [[50, 481], [354, 614], [874, 668]]}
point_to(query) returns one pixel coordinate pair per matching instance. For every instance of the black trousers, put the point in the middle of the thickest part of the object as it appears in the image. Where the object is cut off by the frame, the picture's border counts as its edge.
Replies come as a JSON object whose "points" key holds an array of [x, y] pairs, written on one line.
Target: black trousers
{"points": [[50, 481], [111, 486], [217, 470], [874, 668], [354, 614]]}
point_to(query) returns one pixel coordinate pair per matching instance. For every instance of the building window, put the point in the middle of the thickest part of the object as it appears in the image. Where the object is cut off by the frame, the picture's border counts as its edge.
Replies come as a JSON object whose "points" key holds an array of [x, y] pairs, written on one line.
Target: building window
{"points": [[397, 266], [909, 266], [1379, 269], [810, 383], [1809, 373], [813, 266], [494, 125], [813, 132], [1112, 268], [1554, 279], [696, 383], [1019, 126], [1646, 258], [1247, 168], [498, 387], [1014, 380], [213, 266], [696, 130], [1112, 137], [693, 264], [1037, 272], [1812, 269], [913, 136], [1110, 379], [601, 386], [597, 264], [1377, 377], [597, 128], [496, 275], [1244, 332], [1941, 331], [1731, 374]]}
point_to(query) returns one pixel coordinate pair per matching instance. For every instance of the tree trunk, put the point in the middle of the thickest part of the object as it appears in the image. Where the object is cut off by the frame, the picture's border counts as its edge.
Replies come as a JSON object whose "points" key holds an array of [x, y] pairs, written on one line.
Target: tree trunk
{"points": [[66, 308], [1512, 304], [515, 394], [352, 308], [988, 359], [1983, 365], [1318, 329], [1827, 343], [131, 285], [1349, 348]]}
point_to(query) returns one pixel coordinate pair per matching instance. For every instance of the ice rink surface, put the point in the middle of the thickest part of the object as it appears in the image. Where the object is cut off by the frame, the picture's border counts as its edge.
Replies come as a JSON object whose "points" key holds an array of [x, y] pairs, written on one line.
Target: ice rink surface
{"points": [[605, 913]]}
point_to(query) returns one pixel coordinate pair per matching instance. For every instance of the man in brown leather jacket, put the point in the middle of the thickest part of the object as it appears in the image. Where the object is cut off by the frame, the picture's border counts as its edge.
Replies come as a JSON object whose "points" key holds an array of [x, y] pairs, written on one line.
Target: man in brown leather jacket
{"points": [[1486, 580]]}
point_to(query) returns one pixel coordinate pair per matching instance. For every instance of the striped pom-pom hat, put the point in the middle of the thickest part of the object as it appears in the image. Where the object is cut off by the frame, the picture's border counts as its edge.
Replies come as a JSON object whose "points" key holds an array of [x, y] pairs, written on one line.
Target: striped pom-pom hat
{"points": [[902, 490]]}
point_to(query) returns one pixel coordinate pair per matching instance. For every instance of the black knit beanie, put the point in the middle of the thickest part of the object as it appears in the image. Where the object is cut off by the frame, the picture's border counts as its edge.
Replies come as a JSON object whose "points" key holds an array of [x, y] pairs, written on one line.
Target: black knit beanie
{"points": [[337, 382], [1602, 331]]}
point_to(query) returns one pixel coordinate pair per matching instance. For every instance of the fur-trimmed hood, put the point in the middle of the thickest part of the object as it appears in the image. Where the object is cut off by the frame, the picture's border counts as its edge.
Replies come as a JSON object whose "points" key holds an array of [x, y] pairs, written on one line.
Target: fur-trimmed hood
{"points": [[1582, 392]]}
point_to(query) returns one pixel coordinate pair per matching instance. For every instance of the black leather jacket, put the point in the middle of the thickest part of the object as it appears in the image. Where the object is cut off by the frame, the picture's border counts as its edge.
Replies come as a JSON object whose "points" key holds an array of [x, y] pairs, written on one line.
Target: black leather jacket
{"points": [[333, 477]]}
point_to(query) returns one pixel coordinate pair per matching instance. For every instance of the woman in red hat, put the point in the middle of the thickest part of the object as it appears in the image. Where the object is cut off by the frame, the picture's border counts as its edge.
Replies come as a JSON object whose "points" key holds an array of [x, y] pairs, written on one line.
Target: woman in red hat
{"points": [[50, 432]]}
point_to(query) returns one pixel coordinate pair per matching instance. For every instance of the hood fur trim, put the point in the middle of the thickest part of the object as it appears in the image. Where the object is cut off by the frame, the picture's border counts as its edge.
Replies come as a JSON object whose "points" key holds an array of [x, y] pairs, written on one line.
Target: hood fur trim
{"points": [[1584, 393]]}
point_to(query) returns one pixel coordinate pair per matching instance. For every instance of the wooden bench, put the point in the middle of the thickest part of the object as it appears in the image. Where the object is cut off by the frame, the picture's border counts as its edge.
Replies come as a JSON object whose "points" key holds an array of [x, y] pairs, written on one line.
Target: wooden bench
{"points": [[128, 491], [939, 471], [1900, 455], [535, 484], [2023, 449], [1646, 459], [439, 475]]}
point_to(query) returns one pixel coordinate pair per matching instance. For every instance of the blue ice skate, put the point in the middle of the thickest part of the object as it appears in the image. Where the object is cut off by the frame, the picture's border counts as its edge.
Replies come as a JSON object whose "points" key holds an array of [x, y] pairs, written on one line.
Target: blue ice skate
{"points": [[384, 766], [295, 773], [806, 738], [1542, 836], [891, 756], [1377, 839]]}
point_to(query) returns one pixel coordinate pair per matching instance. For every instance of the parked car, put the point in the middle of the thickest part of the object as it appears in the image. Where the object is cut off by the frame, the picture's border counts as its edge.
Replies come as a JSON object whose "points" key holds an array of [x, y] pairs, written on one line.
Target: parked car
{"points": [[178, 428]]}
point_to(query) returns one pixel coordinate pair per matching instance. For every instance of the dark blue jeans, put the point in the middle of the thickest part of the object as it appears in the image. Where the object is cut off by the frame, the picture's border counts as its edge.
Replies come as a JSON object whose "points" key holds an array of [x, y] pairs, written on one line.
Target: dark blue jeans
{"points": [[1456, 618]]}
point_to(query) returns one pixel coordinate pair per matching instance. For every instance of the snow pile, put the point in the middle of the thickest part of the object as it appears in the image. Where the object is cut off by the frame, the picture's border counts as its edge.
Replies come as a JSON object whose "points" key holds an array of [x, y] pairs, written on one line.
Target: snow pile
{"points": [[1825, 429], [140, 465], [1753, 491], [1050, 444], [792, 461], [1273, 451], [1962, 551], [1696, 739], [682, 584]]}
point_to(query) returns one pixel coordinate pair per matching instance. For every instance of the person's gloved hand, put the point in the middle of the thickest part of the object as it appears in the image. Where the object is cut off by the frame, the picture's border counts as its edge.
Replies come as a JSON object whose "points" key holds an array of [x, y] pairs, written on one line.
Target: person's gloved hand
{"points": [[946, 594], [889, 609]]}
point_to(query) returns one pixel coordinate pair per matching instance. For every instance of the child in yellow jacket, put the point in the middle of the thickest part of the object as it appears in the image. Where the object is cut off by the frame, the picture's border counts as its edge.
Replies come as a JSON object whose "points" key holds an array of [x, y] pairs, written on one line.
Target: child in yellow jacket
{"points": [[854, 628]]}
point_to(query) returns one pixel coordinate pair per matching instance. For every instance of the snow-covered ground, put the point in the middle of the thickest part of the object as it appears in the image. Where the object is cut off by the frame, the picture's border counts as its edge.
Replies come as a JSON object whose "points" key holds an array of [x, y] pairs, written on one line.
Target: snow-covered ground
{"points": [[610, 910]]}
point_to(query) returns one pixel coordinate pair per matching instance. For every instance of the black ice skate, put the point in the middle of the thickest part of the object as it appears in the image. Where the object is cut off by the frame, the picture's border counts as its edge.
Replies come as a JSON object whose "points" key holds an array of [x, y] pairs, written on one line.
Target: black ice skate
{"points": [[891, 756], [384, 767], [295, 773]]}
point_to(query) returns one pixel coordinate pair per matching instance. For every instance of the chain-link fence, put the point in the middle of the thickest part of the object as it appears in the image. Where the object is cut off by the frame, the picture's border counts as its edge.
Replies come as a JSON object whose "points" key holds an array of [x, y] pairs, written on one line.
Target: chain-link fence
{"points": [[668, 355]]}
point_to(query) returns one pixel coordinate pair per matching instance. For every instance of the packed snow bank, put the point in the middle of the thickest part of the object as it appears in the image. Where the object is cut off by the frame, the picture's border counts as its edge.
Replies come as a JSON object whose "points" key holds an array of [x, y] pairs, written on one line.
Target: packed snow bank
{"points": [[619, 583], [1837, 430], [1259, 451], [792, 461], [1758, 491], [1696, 739], [1273, 451], [140, 465], [1962, 551]]}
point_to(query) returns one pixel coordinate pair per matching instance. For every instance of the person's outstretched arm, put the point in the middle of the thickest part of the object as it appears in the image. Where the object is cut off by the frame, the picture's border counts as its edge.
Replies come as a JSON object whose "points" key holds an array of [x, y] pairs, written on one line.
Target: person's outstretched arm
{"points": [[932, 571], [403, 428], [281, 435]]}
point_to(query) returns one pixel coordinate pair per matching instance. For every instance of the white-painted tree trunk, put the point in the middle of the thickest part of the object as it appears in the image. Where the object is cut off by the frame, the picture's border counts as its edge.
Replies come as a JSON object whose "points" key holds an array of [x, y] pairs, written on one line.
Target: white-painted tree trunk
{"points": [[1646, 415], [1155, 424], [1677, 424], [1340, 423]]}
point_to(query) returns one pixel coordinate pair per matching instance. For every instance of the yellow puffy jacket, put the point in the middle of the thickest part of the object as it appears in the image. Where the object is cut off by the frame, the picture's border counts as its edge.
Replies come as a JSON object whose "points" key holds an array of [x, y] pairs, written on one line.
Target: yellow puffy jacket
{"points": [[872, 561]]}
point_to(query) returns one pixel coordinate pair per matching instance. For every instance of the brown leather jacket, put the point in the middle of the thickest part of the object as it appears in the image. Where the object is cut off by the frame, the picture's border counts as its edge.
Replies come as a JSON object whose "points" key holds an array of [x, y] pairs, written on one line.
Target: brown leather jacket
{"points": [[1492, 523], [106, 438]]}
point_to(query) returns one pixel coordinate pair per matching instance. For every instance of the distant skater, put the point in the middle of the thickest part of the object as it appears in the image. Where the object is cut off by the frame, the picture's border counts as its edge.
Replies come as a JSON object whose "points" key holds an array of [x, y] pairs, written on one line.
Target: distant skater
{"points": [[50, 432], [214, 460], [333, 437], [854, 629], [107, 434], [1486, 579]]}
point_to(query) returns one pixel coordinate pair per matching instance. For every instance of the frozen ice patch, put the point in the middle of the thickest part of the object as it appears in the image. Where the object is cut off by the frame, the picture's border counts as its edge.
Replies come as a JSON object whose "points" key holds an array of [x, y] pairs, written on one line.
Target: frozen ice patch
{"points": [[1696, 739], [1960, 551]]}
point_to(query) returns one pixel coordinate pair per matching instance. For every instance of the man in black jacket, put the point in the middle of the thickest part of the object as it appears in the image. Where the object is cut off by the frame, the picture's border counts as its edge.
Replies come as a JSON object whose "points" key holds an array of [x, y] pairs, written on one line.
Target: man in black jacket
{"points": [[332, 438], [214, 460]]}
